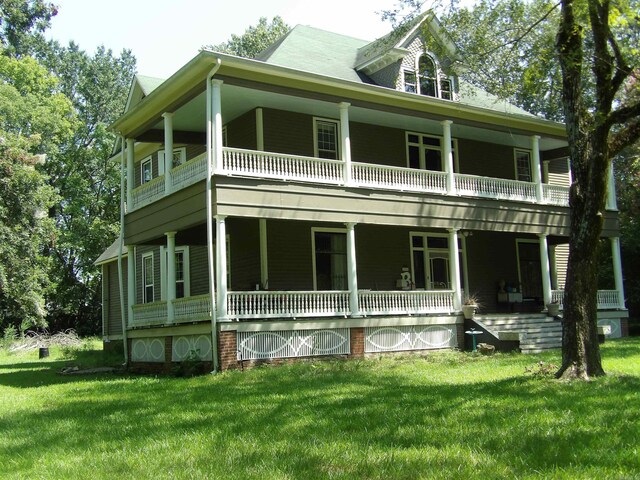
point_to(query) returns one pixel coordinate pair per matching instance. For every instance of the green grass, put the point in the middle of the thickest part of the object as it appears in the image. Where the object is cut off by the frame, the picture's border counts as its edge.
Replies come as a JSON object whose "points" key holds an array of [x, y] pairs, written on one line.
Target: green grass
{"points": [[443, 415]]}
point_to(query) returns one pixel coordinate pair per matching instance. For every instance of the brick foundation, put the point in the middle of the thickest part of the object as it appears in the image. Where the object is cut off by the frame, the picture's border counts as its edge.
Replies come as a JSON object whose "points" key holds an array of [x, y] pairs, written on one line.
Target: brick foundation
{"points": [[624, 327], [228, 350], [357, 342]]}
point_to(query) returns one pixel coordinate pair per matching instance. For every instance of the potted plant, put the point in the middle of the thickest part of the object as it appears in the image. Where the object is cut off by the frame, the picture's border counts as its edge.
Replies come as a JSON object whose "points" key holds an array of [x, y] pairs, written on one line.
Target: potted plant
{"points": [[470, 306], [553, 308]]}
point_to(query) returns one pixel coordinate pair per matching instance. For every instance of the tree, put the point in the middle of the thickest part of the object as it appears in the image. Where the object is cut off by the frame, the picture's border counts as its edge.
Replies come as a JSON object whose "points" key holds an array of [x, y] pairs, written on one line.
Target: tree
{"points": [[34, 120], [255, 39], [88, 214], [22, 22], [583, 53]]}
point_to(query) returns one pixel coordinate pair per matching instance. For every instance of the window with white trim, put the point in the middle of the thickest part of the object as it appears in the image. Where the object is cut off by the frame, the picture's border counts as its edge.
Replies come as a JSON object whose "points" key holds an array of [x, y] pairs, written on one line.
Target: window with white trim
{"points": [[183, 277], [329, 259], [427, 79], [146, 172], [147, 278], [522, 160], [179, 158], [424, 152], [326, 134]]}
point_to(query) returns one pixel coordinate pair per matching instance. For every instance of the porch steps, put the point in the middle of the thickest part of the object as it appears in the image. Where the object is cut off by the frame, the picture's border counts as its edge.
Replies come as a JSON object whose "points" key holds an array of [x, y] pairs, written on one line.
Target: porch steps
{"points": [[537, 332]]}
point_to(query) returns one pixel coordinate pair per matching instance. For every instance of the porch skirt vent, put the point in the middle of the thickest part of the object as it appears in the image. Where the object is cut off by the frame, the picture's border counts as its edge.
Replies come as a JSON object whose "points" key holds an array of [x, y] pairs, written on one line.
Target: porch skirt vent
{"points": [[402, 338], [147, 350], [191, 347], [293, 343]]}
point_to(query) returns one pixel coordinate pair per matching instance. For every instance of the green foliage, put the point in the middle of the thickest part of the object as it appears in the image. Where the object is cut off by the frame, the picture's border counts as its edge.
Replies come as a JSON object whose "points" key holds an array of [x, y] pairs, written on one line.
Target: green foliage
{"points": [[34, 119], [449, 415], [9, 336], [255, 39], [22, 22]]}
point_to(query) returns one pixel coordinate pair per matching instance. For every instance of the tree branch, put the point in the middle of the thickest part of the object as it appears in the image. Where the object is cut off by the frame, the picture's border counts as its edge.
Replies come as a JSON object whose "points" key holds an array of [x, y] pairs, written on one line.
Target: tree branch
{"points": [[630, 134]]}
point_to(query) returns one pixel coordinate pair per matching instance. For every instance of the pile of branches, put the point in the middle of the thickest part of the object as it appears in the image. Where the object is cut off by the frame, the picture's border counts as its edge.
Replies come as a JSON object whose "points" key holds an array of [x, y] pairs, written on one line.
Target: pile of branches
{"points": [[33, 340]]}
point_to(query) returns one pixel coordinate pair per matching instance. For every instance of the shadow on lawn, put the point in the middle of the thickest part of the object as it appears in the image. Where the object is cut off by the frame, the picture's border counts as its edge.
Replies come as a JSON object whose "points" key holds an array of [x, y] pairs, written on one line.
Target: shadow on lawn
{"points": [[357, 418]]}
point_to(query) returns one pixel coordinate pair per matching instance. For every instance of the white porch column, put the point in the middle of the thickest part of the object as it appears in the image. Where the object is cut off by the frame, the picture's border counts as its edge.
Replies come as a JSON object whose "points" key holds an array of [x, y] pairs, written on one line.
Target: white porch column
{"points": [[546, 270], [617, 269], [535, 167], [259, 130], [447, 156], [130, 173], [264, 262], [168, 151], [216, 115], [352, 270], [131, 282], [221, 265], [345, 141], [454, 268], [612, 204], [171, 275]]}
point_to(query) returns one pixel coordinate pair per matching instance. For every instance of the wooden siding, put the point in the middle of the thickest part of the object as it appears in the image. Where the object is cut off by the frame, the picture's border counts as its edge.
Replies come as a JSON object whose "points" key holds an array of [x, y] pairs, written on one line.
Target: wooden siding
{"points": [[244, 237], [288, 132], [558, 172], [381, 252], [111, 304], [486, 159], [140, 251], [289, 253], [241, 131], [378, 145], [199, 269], [561, 261]]}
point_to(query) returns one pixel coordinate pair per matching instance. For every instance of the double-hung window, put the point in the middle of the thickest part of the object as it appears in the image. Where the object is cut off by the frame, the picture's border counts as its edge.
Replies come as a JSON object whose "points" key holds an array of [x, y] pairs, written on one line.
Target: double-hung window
{"points": [[523, 165], [326, 138], [146, 172], [179, 157], [182, 272], [147, 278]]}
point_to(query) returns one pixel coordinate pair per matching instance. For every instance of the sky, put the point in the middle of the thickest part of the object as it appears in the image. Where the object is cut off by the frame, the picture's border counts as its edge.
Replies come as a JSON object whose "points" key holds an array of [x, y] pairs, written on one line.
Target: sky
{"points": [[165, 34]]}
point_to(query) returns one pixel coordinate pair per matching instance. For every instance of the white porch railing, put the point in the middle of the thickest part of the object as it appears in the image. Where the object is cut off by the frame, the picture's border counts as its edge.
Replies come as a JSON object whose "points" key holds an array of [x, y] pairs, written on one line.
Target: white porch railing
{"points": [[192, 309], [555, 194], [496, 188], [144, 314], [283, 304], [148, 192], [607, 299], [397, 178], [401, 302], [253, 163], [190, 172]]}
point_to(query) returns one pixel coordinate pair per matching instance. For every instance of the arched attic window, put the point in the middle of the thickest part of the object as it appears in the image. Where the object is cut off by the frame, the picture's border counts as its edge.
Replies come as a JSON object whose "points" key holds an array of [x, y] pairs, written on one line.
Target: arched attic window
{"points": [[427, 79]]}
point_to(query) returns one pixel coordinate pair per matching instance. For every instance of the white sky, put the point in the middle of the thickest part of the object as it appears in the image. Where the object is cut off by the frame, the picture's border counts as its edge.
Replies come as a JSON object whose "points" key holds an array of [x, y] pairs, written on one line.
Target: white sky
{"points": [[166, 34]]}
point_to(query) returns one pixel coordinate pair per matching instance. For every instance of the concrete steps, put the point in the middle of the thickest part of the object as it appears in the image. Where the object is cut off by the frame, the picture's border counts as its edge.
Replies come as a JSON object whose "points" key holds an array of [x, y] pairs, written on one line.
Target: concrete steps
{"points": [[537, 332]]}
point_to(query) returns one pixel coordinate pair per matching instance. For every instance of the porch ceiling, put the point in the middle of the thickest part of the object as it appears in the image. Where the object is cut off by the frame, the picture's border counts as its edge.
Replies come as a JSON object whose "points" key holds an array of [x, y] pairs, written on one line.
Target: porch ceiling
{"points": [[237, 100]]}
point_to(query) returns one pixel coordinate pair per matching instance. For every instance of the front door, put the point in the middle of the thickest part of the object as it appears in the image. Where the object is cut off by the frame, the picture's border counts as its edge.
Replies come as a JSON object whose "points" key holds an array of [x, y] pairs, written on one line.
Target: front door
{"points": [[430, 261], [330, 260], [529, 268]]}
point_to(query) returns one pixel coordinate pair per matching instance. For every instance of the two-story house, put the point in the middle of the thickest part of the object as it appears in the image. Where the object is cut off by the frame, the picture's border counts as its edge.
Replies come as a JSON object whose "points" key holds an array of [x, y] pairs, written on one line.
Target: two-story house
{"points": [[336, 197]]}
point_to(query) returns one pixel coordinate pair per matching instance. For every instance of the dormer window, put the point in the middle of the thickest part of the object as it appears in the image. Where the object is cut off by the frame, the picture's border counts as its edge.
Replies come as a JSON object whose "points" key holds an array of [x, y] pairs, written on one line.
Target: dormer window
{"points": [[427, 80]]}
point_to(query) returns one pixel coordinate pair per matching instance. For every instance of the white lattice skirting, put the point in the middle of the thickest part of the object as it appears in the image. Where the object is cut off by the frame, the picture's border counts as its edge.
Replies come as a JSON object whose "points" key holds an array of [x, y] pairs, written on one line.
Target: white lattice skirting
{"points": [[397, 339], [191, 347], [293, 343], [147, 350], [614, 323]]}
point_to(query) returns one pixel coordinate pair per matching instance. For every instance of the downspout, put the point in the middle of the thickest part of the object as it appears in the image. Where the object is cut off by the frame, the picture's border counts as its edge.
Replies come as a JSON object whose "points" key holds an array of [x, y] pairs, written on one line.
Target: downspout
{"points": [[208, 198], [121, 246]]}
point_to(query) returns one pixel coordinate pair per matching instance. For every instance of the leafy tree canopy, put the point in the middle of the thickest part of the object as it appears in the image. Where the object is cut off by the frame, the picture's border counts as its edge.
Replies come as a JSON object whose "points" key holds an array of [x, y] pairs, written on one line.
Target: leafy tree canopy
{"points": [[22, 22], [255, 39]]}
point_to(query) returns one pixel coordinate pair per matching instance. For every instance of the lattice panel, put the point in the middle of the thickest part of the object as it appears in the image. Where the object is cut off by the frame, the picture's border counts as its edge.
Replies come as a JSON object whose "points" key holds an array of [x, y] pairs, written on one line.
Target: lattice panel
{"points": [[191, 347], [293, 343], [147, 350], [396, 339], [614, 323]]}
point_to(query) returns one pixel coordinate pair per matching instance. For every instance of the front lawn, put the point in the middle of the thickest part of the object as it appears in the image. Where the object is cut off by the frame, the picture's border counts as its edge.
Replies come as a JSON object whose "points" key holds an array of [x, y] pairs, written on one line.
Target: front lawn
{"points": [[443, 415]]}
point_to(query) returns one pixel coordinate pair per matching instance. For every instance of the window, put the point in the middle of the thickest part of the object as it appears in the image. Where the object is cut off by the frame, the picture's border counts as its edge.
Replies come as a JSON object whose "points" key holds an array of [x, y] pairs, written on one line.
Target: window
{"points": [[430, 261], [182, 272], [523, 165], [179, 157], [427, 79], [147, 277], [146, 173], [326, 134], [329, 259], [424, 152]]}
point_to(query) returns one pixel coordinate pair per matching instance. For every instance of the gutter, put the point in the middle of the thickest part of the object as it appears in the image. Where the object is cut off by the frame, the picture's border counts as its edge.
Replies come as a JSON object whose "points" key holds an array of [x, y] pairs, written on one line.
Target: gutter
{"points": [[208, 198], [120, 274]]}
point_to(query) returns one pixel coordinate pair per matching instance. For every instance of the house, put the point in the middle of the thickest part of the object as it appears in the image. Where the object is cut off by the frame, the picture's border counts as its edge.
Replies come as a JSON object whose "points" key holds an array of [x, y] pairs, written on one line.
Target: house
{"points": [[336, 197]]}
